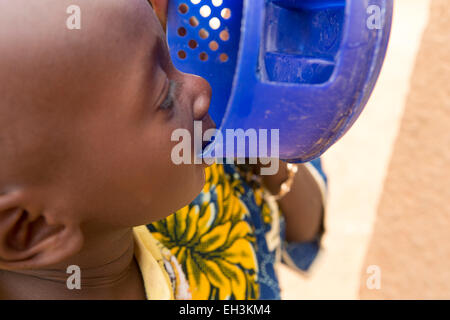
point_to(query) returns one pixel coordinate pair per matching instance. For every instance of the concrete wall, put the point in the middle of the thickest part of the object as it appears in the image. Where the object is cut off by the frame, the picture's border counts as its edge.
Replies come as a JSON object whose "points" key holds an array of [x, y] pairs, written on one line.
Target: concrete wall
{"points": [[389, 176], [411, 239]]}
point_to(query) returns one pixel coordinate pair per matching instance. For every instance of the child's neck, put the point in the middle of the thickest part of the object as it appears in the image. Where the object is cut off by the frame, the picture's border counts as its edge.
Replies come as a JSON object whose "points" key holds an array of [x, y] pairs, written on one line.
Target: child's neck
{"points": [[107, 267]]}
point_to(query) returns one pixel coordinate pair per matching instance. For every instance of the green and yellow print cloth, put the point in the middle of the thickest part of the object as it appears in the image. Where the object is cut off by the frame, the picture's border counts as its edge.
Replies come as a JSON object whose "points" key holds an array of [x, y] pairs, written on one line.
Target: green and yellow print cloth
{"points": [[213, 240], [229, 239], [162, 275]]}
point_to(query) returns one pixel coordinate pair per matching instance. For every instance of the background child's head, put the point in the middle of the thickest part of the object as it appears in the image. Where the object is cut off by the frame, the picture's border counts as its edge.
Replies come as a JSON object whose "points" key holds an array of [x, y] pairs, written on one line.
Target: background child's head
{"points": [[86, 118]]}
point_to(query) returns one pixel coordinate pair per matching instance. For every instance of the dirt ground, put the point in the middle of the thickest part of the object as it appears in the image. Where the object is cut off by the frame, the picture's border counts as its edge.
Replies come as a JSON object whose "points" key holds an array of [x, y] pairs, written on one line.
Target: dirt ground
{"points": [[374, 215]]}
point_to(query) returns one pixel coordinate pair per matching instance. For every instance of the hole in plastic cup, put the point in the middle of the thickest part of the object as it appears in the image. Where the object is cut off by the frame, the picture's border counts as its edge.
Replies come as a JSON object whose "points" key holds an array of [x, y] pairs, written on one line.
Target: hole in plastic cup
{"points": [[193, 44], [195, 1], [226, 13], [203, 56], [205, 11], [183, 8], [193, 21], [213, 45], [182, 54], [217, 3], [223, 57], [224, 35], [214, 23], [182, 31], [203, 33]]}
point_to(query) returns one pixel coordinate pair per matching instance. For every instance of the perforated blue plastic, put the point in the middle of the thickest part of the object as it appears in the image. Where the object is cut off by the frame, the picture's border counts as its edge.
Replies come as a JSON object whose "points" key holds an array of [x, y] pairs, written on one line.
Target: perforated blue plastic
{"points": [[305, 67]]}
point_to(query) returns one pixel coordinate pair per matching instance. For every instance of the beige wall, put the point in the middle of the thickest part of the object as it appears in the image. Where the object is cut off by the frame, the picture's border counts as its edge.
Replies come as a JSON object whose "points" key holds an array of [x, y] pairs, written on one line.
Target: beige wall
{"points": [[389, 176], [411, 239]]}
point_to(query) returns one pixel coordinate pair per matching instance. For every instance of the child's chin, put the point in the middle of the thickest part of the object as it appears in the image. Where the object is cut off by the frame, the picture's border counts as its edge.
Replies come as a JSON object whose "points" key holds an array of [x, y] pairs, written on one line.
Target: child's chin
{"points": [[195, 188], [191, 192]]}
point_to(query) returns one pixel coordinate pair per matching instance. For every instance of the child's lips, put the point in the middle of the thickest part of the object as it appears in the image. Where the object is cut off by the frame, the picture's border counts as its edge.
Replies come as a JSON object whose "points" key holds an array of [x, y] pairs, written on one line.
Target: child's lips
{"points": [[208, 123]]}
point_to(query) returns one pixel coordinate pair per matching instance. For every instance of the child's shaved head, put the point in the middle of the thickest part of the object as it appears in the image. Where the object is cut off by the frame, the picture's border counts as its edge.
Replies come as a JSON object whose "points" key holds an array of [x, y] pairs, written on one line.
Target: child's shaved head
{"points": [[84, 142], [52, 77]]}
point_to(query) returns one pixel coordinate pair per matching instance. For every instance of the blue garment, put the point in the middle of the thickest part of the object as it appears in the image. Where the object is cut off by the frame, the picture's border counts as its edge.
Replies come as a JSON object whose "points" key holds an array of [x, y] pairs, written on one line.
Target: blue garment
{"points": [[297, 255]]}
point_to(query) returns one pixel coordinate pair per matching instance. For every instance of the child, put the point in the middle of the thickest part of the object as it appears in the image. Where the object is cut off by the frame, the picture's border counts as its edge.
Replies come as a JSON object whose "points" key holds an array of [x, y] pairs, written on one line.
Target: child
{"points": [[86, 118]]}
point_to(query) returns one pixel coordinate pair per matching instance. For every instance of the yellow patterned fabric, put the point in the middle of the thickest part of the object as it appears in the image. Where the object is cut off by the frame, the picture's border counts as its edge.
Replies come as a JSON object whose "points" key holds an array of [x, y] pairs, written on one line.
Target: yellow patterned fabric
{"points": [[162, 275], [214, 241]]}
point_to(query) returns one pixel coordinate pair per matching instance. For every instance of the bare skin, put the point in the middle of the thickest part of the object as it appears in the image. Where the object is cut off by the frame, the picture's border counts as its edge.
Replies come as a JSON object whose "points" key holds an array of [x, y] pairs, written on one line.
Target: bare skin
{"points": [[302, 206], [85, 129]]}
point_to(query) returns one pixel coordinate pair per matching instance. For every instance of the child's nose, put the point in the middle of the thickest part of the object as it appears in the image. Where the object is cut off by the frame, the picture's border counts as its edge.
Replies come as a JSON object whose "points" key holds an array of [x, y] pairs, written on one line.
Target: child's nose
{"points": [[201, 98]]}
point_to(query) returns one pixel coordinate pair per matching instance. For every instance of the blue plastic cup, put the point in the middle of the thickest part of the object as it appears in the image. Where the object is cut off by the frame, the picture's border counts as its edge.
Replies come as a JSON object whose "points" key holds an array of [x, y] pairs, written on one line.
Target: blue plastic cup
{"points": [[303, 67]]}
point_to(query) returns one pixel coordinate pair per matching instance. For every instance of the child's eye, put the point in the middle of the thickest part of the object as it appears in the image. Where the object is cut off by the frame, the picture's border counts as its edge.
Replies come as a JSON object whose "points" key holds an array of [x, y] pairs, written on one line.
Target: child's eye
{"points": [[168, 102]]}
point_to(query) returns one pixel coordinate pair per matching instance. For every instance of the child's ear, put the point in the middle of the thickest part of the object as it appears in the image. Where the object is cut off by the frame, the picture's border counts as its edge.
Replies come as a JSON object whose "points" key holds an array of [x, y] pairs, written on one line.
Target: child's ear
{"points": [[28, 241], [160, 7]]}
